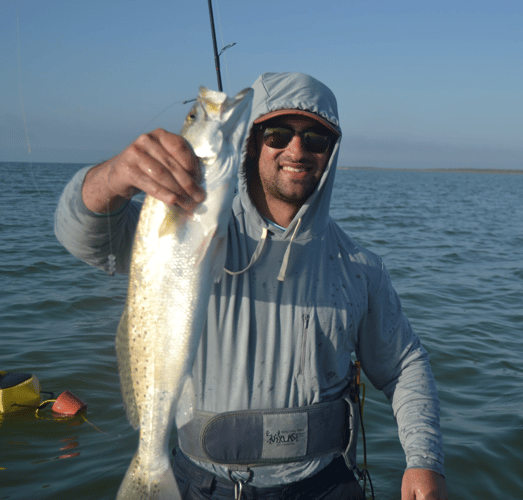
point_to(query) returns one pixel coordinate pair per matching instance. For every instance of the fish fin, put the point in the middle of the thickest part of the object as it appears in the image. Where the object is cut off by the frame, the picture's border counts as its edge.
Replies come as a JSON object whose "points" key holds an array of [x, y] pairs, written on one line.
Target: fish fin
{"points": [[140, 482], [124, 368], [186, 403], [173, 220]]}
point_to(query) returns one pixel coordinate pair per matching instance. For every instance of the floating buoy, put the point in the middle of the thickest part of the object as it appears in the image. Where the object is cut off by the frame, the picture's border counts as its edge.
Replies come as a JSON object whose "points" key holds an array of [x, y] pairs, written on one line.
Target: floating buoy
{"points": [[68, 404], [22, 390], [18, 391]]}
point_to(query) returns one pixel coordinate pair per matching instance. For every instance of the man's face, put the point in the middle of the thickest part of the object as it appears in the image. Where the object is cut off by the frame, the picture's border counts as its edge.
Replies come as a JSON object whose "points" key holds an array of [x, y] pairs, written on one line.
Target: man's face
{"points": [[288, 176]]}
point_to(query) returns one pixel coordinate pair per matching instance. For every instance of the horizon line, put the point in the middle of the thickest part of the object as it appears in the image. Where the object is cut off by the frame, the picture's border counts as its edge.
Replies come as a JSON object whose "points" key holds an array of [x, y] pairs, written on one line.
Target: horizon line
{"points": [[471, 170]]}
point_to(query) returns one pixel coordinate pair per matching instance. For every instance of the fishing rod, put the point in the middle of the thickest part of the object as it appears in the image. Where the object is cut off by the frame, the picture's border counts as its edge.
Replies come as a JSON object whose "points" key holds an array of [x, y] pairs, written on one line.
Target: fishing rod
{"points": [[216, 55], [215, 47]]}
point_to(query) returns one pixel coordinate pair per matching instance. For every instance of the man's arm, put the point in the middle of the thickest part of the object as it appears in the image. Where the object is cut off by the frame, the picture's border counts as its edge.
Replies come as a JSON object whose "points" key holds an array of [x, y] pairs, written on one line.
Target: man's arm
{"points": [[395, 361]]}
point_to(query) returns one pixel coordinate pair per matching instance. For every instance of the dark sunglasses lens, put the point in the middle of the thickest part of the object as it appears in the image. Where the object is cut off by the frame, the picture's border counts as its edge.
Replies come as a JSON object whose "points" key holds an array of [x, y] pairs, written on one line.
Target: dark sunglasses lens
{"points": [[316, 143], [279, 138]]}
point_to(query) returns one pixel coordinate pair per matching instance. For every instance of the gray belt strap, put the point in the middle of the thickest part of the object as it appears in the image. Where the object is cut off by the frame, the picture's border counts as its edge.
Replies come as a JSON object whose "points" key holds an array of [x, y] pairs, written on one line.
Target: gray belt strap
{"points": [[257, 437]]}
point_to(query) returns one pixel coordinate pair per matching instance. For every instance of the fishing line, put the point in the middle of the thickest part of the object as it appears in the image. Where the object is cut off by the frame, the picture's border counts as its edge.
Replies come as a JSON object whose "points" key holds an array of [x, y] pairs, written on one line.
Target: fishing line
{"points": [[20, 80], [22, 99], [111, 259], [91, 424], [43, 404], [361, 400], [165, 109]]}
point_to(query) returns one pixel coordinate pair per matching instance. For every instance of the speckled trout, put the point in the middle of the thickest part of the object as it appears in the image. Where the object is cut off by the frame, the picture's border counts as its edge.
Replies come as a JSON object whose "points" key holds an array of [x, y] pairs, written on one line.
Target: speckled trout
{"points": [[175, 259]]}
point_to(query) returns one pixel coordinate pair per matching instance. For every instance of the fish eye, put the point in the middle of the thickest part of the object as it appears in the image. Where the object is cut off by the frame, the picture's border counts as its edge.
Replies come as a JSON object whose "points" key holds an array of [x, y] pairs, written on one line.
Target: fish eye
{"points": [[193, 114]]}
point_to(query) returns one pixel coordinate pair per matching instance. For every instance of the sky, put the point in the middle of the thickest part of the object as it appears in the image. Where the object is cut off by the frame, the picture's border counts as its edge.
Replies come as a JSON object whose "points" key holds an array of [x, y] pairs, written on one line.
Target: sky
{"points": [[420, 84]]}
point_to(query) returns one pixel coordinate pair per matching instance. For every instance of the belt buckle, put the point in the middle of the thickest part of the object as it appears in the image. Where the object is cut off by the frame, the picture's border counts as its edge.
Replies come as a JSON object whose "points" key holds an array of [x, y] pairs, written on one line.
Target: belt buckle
{"points": [[238, 483]]}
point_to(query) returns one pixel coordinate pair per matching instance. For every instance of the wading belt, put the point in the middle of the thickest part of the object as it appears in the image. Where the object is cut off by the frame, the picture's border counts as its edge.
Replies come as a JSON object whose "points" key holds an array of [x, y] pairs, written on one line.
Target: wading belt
{"points": [[263, 437]]}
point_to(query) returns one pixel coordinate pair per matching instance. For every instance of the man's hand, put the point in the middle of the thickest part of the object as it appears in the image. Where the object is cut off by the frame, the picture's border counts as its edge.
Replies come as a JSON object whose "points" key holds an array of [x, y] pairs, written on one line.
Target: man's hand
{"points": [[159, 163], [423, 484]]}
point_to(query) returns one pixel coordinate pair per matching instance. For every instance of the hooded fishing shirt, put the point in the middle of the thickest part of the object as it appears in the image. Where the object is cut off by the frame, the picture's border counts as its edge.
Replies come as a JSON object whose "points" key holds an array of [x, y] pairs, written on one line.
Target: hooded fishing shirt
{"points": [[300, 303]]}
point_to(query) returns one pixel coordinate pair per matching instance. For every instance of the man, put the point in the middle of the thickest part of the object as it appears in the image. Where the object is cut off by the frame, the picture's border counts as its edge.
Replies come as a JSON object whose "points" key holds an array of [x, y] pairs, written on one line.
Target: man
{"points": [[297, 298]]}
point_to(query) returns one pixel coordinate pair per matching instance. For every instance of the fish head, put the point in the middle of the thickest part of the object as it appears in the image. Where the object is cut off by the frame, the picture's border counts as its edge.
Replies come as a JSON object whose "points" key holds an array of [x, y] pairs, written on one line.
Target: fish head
{"points": [[216, 128]]}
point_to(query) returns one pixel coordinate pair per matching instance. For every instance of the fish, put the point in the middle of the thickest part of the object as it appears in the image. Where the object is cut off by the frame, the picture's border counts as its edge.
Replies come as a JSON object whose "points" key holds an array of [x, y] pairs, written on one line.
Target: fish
{"points": [[176, 257]]}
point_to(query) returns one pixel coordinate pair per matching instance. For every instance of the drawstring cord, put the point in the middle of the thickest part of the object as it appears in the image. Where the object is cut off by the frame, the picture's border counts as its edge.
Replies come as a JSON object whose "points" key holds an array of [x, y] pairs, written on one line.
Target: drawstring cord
{"points": [[285, 262], [255, 255], [259, 250]]}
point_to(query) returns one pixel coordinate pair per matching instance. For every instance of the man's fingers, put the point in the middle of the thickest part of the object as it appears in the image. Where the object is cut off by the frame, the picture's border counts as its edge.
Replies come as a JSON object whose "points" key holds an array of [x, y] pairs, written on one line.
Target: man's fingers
{"points": [[164, 166], [177, 147]]}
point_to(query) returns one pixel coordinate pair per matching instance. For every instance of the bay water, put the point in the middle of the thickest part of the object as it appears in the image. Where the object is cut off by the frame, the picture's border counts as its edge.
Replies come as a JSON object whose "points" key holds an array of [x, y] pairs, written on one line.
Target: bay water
{"points": [[453, 243]]}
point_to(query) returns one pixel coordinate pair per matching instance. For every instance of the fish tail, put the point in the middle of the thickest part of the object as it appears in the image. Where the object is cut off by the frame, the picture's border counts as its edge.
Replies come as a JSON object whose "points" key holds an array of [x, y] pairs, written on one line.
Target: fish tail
{"points": [[140, 483]]}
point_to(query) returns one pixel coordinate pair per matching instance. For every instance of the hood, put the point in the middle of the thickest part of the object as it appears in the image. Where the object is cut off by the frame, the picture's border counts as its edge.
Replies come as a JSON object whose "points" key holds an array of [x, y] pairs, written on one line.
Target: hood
{"points": [[276, 91]]}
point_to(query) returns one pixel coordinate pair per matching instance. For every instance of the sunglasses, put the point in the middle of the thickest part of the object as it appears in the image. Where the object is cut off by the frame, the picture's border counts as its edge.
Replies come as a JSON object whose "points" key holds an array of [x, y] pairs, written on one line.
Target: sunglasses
{"points": [[280, 137]]}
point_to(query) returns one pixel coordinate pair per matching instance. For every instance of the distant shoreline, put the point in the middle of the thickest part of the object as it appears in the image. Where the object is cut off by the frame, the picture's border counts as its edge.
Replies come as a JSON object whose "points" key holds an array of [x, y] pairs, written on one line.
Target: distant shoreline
{"points": [[452, 170]]}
